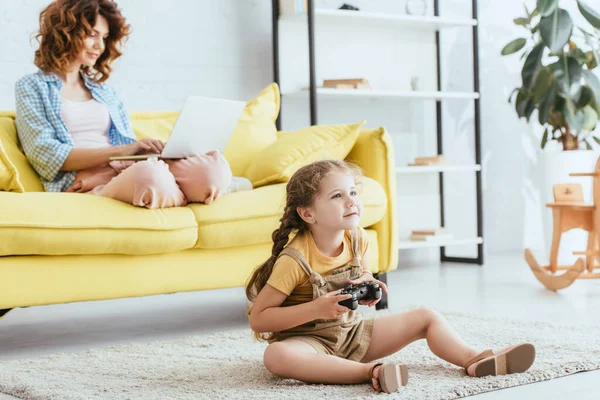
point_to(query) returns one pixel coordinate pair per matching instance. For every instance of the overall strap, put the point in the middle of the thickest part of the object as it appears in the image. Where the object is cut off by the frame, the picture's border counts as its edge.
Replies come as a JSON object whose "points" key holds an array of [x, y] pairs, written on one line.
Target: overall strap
{"points": [[356, 257], [315, 278]]}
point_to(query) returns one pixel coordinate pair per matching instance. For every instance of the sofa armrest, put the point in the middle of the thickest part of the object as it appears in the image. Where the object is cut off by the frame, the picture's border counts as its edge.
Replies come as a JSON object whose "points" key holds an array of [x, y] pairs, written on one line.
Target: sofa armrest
{"points": [[374, 153]]}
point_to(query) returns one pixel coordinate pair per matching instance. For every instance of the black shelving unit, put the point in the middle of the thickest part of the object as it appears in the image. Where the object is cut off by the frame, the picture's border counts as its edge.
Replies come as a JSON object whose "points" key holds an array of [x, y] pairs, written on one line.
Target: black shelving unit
{"points": [[476, 104]]}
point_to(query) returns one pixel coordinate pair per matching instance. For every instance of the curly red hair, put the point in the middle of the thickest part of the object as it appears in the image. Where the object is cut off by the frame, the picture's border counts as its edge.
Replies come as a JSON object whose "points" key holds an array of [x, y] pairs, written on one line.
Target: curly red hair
{"points": [[65, 24]]}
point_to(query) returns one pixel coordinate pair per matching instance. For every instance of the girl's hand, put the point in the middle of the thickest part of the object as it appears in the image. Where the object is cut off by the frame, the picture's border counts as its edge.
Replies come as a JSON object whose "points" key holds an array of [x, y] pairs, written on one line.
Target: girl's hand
{"points": [[327, 307], [368, 277]]}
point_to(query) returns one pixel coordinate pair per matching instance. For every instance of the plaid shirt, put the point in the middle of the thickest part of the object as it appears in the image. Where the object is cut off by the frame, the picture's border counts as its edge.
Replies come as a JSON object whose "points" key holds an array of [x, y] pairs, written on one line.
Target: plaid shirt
{"points": [[45, 138]]}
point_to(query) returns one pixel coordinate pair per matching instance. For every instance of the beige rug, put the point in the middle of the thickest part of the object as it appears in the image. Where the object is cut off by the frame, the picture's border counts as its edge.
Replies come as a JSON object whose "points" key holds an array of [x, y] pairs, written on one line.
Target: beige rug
{"points": [[229, 365]]}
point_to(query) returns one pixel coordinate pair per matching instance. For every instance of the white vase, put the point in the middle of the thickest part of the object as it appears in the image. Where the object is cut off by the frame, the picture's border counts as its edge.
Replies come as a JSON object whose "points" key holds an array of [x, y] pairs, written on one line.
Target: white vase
{"points": [[554, 168]]}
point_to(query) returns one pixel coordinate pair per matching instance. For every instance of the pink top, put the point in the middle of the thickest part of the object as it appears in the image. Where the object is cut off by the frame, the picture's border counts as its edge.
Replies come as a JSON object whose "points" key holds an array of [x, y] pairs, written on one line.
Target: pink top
{"points": [[88, 123]]}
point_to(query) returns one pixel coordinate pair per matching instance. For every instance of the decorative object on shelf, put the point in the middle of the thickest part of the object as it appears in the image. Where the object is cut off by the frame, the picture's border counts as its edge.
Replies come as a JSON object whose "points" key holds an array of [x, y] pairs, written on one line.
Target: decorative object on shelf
{"points": [[565, 91], [348, 7], [287, 7], [431, 234], [434, 160], [416, 7], [352, 83], [570, 212], [414, 83]]}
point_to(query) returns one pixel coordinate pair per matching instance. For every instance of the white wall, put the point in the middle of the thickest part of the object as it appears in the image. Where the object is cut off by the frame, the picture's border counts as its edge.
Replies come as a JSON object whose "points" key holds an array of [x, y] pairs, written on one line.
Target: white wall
{"points": [[223, 48]]}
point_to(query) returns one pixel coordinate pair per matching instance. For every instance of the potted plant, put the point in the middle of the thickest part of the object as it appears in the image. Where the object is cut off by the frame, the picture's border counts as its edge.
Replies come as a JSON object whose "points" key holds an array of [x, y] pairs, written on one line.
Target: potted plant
{"points": [[559, 82]]}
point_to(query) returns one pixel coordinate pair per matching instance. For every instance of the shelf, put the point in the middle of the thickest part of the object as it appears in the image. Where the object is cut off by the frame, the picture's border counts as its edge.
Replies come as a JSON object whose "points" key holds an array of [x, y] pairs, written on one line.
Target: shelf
{"points": [[370, 93], [414, 244], [410, 21], [437, 168]]}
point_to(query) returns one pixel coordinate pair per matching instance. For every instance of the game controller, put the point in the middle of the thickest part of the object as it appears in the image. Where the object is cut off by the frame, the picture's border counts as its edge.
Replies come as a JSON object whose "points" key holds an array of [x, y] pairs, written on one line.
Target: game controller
{"points": [[364, 291]]}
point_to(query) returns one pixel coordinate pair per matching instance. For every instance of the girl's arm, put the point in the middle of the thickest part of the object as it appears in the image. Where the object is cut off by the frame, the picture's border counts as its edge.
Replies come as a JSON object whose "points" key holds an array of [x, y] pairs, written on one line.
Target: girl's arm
{"points": [[268, 316]]}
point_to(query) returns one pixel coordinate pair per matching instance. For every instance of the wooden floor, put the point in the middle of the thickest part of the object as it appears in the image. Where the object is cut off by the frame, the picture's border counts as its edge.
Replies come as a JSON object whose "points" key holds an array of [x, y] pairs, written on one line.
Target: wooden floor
{"points": [[504, 286]]}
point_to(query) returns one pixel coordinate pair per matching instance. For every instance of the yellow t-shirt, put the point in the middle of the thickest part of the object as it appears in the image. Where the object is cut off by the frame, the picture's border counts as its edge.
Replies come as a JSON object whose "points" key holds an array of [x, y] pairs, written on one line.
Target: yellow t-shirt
{"points": [[289, 277]]}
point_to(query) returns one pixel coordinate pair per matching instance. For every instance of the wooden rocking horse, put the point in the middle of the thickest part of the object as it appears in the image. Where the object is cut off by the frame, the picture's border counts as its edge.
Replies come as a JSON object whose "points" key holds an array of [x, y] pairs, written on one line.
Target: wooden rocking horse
{"points": [[570, 212]]}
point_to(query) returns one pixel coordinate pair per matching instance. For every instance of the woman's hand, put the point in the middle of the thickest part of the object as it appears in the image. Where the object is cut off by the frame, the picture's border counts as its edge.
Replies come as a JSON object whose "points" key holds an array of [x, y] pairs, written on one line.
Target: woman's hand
{"points": [[144, 146], [368, 277], [327, 307]]}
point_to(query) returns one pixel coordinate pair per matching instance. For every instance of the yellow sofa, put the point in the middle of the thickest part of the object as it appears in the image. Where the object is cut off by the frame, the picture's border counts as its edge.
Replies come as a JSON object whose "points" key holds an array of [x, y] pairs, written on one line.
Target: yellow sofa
{"points": [[66, 247]]}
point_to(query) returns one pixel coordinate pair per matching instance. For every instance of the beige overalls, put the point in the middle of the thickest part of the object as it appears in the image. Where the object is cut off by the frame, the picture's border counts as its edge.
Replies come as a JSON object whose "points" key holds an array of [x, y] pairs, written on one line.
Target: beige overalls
{"points": [[348, 336]]}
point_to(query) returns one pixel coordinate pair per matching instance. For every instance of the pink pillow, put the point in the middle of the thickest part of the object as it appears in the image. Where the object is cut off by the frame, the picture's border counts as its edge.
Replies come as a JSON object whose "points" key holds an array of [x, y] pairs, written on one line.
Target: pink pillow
{"points": [[202, 178]]}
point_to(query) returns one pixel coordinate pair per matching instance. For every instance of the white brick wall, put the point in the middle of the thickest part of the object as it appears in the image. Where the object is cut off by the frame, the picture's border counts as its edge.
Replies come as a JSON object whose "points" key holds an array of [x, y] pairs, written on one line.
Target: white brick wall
{"points": [[218, 48]]}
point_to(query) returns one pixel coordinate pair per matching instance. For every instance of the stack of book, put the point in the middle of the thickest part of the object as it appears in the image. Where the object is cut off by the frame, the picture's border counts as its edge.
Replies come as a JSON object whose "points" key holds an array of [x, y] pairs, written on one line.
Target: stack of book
{"points": [[434, 160], [431, 234], [351, 83]]}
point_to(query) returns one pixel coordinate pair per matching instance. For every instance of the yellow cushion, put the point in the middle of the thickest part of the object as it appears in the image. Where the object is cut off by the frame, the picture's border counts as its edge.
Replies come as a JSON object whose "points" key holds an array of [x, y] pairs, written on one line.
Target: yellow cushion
{"points": [[255, 130], [153, 125], [250, 217], [293, 150], [16, 174], [71, 223]]}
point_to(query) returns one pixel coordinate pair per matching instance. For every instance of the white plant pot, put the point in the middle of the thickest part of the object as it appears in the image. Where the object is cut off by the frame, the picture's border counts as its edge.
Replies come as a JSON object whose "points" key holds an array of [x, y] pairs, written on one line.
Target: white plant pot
{"points": [[554, 168]]}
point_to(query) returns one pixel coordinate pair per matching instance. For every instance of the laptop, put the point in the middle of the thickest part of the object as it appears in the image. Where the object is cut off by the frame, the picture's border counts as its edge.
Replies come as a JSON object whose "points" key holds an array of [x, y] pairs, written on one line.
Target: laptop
{"points": [[204, 124]]}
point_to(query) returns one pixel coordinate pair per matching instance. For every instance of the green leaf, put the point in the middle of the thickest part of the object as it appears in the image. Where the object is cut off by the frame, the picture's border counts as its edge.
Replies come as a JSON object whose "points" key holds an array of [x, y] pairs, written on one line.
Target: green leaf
{"points": [[591, 60], [590, 41], [593, 83], [585, 97], [529, 108], [596, 139], [522, 103], [514, 46], [575, 119], [590, 14], [545, 104], [521, 21], [590, 120], [556, 29], [542, 82], [579, 55], [532, 65], [511, 94], [545, 138], [567, 72], [587, 144], [546, 7]]}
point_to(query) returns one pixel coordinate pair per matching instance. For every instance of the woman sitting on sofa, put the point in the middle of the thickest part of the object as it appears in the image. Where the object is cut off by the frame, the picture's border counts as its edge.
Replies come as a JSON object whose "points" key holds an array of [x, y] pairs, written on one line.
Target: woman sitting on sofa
{"points": [[70, 123]]}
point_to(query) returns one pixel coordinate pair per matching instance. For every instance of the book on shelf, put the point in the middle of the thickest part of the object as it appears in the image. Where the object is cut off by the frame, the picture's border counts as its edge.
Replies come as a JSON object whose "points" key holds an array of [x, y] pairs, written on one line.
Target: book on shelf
{"points": [[435, 231], [433, 160], [431, 238], [351, 83], [346, 80]]}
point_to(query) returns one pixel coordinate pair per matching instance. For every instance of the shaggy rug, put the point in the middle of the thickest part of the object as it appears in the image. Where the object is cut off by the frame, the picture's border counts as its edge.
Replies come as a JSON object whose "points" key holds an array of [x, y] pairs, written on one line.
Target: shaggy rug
{"points": [[229, 365]]}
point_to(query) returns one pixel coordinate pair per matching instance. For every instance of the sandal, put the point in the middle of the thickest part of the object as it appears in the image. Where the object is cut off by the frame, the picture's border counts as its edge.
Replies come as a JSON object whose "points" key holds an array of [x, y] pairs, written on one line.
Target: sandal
{"points": [[511, 360], [391, 376]]}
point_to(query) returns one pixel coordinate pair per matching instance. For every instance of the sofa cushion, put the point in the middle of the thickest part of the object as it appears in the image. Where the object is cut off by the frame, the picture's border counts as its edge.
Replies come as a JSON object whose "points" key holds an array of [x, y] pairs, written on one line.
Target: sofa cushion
{"points": [[153, 125], [250, 217], [72, 223], [24, 177], [292, 151], [255, 130]]}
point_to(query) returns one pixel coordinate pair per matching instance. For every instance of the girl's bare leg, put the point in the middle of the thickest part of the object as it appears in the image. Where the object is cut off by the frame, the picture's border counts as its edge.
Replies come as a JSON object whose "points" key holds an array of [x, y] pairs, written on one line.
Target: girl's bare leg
{"points": [[298, 360], [394, 332]]}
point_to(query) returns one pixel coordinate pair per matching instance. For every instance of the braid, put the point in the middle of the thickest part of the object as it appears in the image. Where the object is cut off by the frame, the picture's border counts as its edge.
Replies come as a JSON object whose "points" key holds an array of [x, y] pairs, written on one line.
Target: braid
{"points": [[289, 222]]}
